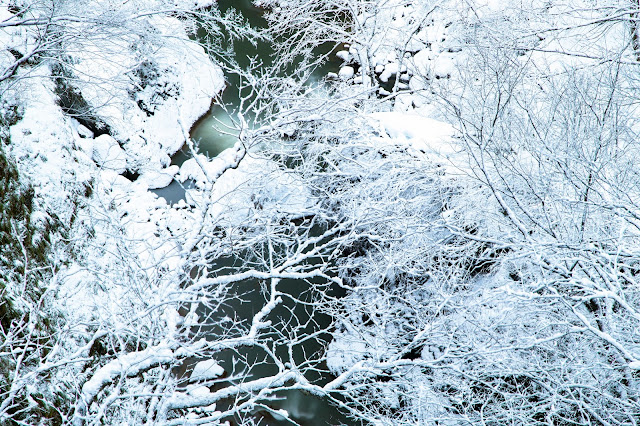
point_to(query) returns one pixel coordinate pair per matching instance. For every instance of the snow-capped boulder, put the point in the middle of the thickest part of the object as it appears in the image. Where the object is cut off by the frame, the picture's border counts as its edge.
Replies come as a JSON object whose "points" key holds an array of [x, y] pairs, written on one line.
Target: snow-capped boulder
{"points": [[155, 179], [343, 55], [390, 70], [346, 73], [108, 154]]}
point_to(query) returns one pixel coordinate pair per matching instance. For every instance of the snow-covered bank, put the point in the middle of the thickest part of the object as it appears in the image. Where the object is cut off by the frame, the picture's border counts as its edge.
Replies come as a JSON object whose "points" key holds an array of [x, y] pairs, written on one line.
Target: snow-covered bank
{"points": [[150, 101], [116, 94], [145, 83], [138, 77]]}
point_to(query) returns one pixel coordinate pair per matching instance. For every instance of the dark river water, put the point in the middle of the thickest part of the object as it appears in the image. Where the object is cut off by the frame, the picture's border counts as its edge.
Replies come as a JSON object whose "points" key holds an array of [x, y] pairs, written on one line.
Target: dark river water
{"points": [[215, 132], [289, 316], [292, 317]]}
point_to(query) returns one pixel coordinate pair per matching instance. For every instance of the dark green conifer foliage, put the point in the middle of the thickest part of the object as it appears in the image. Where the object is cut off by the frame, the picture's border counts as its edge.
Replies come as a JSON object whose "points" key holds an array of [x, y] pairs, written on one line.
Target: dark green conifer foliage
{"points": [[25, 323]]}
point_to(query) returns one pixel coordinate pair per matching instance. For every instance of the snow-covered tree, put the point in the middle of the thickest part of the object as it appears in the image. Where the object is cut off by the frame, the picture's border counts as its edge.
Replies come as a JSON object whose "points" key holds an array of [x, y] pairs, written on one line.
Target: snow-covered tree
{"points": [[493, 277], [449, 229]]}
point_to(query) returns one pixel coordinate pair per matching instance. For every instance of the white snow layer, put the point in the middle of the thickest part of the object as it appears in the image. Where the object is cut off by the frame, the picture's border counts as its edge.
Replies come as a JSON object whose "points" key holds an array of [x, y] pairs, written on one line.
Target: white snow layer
{"points": [[433, 138], [207, 370], [108, 154], [176, 84]]}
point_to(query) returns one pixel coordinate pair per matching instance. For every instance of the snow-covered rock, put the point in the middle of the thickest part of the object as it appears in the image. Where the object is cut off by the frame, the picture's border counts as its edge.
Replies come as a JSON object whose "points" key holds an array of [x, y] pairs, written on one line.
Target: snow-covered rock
{"points": [[425, 136], [346, 73], [343, 55], [108, 154], [390, 70], [82, 130], [420, 63], [155, 179], [443, 66]]}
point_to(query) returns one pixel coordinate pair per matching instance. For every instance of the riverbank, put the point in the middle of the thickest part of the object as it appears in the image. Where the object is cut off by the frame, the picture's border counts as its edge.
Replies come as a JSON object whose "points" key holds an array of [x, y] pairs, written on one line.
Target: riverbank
{"points": [[97, 119]]}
